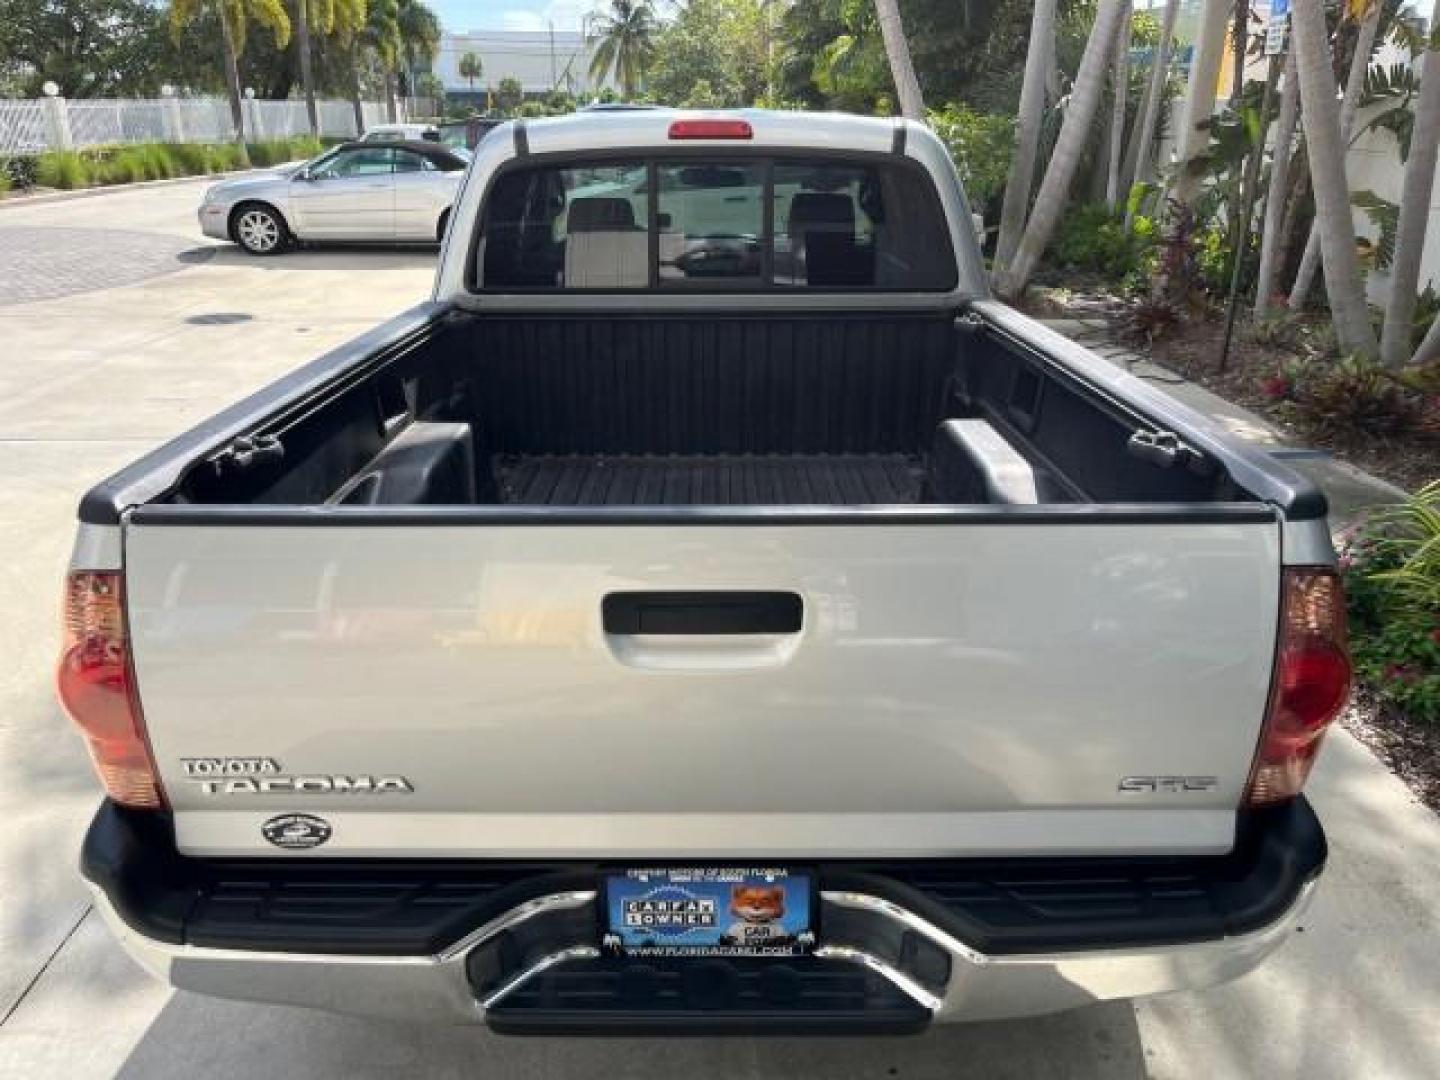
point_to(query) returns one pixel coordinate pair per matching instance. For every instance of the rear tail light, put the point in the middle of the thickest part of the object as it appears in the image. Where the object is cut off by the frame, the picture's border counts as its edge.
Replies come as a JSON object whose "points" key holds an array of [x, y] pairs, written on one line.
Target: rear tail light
{"points": [[96, 684], [711, 129], [1311, 682]]}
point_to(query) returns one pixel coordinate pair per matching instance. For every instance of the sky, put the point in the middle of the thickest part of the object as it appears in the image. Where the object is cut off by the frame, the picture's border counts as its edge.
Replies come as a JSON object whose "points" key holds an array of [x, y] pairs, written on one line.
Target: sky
{"points": [[510, 14]]}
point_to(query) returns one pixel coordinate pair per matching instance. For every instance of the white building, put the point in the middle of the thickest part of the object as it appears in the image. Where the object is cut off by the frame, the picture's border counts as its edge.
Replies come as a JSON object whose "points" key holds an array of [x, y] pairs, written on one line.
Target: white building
{"points": [[543, 61]]}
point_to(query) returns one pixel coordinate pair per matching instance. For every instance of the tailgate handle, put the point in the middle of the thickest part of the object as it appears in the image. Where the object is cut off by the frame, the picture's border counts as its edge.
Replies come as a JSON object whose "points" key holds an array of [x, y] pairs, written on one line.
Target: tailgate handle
{"points": [[676, 613]]}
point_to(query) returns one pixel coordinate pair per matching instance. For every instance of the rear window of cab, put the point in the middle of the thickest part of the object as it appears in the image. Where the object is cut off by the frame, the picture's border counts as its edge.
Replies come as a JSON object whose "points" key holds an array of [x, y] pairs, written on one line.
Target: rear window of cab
{"points": [[721, 224]]}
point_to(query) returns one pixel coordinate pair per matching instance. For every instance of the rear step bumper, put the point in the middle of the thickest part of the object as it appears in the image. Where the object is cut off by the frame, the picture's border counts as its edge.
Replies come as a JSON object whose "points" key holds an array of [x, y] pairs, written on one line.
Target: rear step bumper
{"points": [[515, 945]]}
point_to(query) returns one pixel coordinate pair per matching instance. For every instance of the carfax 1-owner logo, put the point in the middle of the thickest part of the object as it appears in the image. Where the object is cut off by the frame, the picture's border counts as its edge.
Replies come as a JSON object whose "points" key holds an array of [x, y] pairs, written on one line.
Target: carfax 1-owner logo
{"points": [[712, 911]]}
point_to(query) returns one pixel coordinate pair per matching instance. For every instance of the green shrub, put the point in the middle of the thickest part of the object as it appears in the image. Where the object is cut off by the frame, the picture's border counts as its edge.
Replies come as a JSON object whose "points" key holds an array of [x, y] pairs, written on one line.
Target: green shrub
{"points": [[1320, 339], [279, 151], [268, 152], [5, 182], [21, 170], [63, 169], [223, 157], [1407, 538], [1212, 259], [159, 161], [304, 146], [127, 165], [981, 145], [1276, 330], [1391, 564], [192, 159], [1355, 398], [1094, 239], [261, 153]]}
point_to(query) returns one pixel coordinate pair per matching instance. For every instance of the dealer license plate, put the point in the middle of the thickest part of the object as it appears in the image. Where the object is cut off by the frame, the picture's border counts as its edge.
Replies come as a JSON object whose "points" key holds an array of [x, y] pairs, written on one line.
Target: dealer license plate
{"points": [[709, 911]]}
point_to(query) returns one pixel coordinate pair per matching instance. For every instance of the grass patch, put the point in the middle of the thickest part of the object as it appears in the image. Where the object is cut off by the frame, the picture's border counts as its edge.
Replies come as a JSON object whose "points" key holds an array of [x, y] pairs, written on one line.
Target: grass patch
{"points": [[64, 169], [279, 151], [138, 162]]}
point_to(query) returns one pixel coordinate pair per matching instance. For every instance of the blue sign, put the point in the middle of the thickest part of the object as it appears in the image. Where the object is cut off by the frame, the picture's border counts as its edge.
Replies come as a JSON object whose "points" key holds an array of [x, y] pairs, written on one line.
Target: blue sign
{"points": [[1279, 7]]}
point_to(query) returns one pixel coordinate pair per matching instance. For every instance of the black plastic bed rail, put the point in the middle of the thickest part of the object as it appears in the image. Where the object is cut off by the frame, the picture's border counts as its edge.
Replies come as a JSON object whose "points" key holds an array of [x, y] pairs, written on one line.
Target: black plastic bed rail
{"points": [[415, 907]]}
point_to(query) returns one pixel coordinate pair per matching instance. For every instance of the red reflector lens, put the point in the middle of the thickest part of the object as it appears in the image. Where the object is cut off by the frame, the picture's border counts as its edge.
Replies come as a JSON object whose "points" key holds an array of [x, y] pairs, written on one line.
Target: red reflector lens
{"points": [[97, 689], [1311, 683], [711, 129]]}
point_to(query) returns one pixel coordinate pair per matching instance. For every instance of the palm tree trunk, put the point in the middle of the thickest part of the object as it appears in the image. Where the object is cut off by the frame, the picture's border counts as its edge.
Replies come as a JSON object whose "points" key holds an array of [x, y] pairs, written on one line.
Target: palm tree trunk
{"points": [[356, 100], [1414, 216], [1279, 184], [1052, 198], [1054, 79], [1192, 137], [1140, 160], [1296, 200], [1027, 134], [897, 50], [1095, 189], [1244, 219], [232, 85], [1238, 33], [1326, 149], [1354, 84], [389, 96], [307, 70], [1121, 93]]}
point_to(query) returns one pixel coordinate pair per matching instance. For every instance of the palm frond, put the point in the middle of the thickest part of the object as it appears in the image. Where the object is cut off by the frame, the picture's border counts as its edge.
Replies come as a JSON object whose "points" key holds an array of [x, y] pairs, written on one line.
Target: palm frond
{"points": [[1385, 216]]}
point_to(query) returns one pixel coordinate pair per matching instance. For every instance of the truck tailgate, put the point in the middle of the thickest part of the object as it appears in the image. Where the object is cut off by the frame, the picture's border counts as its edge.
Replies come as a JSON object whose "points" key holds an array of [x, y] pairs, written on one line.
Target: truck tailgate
{"points": [[951, 688]]}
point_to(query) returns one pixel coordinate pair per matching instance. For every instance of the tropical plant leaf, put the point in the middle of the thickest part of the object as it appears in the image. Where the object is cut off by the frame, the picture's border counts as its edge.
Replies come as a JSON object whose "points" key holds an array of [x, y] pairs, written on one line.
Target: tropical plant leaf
{"points": [[1400, 122], [1411, 531], [1385, 216]]}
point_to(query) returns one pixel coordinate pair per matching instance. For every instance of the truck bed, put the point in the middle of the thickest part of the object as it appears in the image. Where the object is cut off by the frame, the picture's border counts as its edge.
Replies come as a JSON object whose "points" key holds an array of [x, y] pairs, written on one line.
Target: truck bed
{"points": [[850, 410]]}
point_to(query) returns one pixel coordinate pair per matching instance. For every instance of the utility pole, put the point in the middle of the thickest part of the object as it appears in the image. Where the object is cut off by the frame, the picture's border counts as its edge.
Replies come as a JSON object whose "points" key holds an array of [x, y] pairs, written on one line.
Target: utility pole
{"points": [[553, 79]]}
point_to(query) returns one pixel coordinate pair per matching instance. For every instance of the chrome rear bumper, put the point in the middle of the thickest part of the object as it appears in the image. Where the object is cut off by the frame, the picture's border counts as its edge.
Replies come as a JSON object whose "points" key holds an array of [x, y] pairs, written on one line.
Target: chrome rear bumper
{"points": [[440, 988]]}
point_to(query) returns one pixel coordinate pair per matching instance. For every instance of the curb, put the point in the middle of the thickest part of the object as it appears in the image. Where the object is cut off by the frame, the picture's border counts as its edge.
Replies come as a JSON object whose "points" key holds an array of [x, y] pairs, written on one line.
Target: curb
{"points": [[12, 201]]}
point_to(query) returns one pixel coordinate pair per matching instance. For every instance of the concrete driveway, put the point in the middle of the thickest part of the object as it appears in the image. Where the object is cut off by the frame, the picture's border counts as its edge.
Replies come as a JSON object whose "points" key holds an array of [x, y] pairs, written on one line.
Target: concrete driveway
{"points": [[93, 372]]}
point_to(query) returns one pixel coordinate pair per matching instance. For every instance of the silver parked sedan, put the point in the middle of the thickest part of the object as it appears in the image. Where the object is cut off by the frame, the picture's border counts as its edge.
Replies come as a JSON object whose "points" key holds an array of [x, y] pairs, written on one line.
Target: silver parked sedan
{"points": [[397, 191]]}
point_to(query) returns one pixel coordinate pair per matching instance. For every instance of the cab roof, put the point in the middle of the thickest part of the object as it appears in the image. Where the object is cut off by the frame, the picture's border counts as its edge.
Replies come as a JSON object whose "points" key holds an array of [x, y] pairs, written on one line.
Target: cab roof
{"points": [[601, 129]]}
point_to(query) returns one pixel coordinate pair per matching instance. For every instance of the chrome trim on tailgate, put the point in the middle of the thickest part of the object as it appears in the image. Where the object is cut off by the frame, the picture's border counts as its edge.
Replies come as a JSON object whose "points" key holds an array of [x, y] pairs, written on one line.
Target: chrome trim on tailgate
{"points": [[515, 916]]}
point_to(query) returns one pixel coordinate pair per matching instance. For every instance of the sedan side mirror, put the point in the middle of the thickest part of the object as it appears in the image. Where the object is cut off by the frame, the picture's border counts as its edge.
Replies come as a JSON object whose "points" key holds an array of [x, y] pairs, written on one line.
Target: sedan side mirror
{"points": [[304, 176]]}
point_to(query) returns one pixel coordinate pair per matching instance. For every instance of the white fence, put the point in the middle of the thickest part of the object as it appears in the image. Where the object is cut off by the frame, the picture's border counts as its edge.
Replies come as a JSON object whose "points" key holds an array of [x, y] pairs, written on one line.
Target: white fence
{"points": [[28, 127], [22, 125]]}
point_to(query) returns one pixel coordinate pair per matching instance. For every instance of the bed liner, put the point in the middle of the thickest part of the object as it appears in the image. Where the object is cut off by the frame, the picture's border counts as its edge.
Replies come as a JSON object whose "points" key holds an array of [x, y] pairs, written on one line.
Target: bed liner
{"points": [[708, 479]]}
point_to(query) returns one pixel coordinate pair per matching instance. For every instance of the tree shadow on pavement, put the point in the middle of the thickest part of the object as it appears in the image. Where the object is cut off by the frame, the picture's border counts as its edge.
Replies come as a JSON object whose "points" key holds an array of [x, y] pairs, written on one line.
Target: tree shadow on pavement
{"points": [[194, 1036]]}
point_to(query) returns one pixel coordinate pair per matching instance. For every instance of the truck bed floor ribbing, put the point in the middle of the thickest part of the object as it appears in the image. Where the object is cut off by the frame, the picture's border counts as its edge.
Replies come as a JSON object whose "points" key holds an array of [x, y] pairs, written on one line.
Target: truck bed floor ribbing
{"points": [[712, 480]]}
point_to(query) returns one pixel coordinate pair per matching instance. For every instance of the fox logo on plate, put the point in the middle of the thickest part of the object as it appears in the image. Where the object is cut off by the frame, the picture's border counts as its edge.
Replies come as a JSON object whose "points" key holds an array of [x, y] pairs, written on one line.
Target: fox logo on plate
{"points": [[296, 831]]}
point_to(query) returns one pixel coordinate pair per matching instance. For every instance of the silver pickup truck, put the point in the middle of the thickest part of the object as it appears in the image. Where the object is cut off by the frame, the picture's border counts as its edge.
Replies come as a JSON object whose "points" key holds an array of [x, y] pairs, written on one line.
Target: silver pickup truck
{"points": [[710, 612]]}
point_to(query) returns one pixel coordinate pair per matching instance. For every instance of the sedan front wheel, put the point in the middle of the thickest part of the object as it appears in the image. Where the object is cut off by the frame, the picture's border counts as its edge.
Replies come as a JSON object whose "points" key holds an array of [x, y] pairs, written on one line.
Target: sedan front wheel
{"points": [[260, 230]]}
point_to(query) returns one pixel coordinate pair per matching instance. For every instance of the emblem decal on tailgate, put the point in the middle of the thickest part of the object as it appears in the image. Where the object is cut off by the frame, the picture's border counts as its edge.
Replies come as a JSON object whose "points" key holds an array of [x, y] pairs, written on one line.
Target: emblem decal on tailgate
{"points": [[1173, 785], [262, 776], [296, 831]]}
